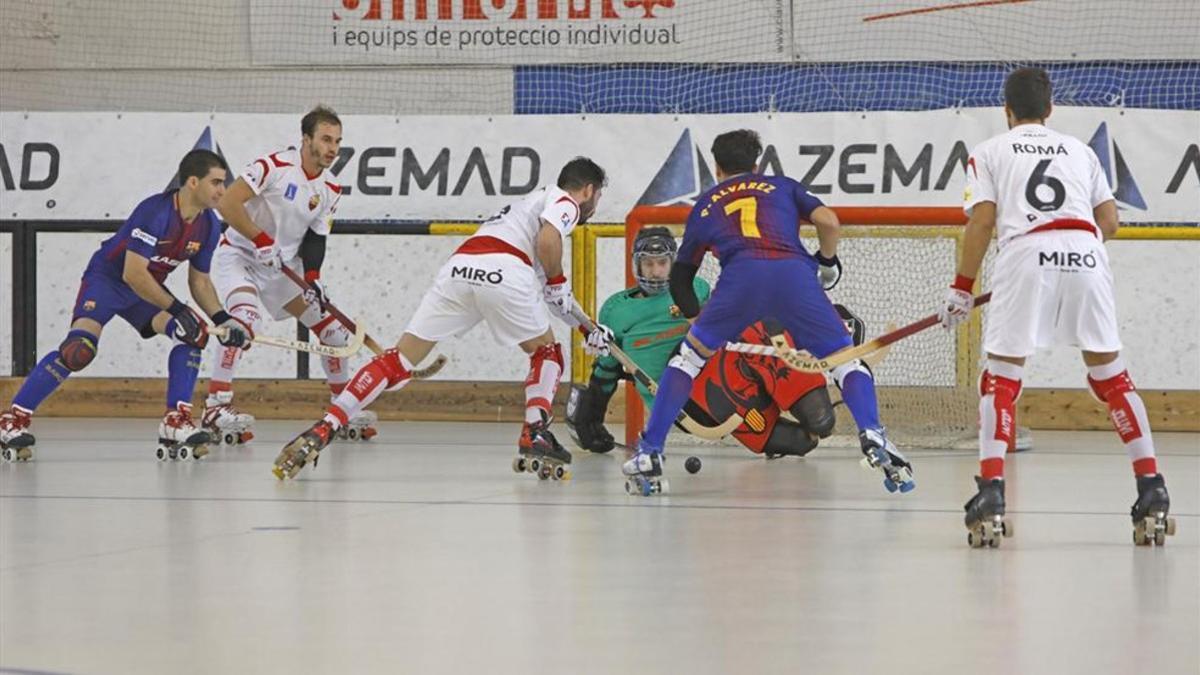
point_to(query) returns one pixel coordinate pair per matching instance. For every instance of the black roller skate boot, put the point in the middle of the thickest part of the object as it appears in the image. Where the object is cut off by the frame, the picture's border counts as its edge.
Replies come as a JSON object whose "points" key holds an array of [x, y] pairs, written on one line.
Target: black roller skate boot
{"points": [[1150, 522], [985, 514]]}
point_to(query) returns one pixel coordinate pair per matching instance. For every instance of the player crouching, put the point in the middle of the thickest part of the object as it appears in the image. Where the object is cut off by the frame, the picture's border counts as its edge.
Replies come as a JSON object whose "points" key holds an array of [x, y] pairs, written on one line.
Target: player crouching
{"points": [[508, 274], [758, 388], [125, 278]]}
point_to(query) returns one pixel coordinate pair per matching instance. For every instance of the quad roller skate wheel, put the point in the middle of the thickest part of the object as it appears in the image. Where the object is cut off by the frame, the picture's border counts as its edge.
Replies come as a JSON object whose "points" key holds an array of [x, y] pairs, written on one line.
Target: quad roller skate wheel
{"points": [[544, 472], [230, 438], [184, 452], [1153, 530], [519, 465], [161, 454], [352, 434], [535, 465]]}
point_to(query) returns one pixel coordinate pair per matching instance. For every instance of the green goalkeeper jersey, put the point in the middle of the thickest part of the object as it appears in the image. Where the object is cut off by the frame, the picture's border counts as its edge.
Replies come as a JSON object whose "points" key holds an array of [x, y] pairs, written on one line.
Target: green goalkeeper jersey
{"points": [[644, 328]]}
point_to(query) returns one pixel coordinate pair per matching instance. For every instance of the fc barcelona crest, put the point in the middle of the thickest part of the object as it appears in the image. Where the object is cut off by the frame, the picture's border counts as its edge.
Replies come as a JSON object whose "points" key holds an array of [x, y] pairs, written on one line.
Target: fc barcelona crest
{"points": [[193, 247], [89, 305]]}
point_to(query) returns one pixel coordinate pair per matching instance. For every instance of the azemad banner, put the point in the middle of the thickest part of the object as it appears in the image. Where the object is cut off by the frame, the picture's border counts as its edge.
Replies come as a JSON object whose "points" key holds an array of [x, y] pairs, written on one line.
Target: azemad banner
{"points": [[490, 32], [91, 166]]}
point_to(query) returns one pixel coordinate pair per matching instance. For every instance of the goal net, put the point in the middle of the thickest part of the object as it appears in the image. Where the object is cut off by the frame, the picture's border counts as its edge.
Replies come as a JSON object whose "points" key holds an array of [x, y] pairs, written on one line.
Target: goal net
{"points": [[897, 262], [586, 56]]}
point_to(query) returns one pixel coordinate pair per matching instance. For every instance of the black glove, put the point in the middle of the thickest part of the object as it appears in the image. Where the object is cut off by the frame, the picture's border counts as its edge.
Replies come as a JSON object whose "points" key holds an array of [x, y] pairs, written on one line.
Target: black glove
{"points": [[187, 326], [829, 271], [237, 333], [316, 294]]}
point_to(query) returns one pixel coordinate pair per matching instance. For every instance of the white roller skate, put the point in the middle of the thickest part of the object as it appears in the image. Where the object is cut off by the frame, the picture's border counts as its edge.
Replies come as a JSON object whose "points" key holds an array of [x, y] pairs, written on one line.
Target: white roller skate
{"points": [[539, 452], [361, 427], [225, 423], [880, 453], [303, 449], [179, 437], [16, 443], [644, 472]]}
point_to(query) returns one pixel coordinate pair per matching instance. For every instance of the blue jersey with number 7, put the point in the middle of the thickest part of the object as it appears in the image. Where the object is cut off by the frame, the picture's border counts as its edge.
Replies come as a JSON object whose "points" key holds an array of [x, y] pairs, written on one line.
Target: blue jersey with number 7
{"points": [[748, 216]]}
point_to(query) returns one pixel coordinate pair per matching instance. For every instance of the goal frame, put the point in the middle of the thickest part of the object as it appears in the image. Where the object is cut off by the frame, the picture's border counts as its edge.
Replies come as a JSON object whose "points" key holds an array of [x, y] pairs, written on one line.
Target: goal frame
{"points": [[858, 221]]}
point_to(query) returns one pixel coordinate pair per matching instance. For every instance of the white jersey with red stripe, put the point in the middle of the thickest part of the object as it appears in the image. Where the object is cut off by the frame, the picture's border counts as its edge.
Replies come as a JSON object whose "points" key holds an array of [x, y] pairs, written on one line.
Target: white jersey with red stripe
{"points": [[1036, 176], [287, 202], [518, 224]]}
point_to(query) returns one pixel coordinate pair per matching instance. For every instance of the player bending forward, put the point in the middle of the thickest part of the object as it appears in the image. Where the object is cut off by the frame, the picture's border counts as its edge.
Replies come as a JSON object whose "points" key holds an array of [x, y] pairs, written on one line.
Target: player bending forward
{"points": [[752, 224], [507, 274], [758, 388], [125, 278], [1051, 284], [279, 213]]}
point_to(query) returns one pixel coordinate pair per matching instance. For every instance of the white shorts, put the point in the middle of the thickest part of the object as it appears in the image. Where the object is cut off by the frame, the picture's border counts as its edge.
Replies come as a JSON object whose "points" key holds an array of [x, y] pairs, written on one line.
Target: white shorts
{"points": [[498, 288], [1051, 288], [233, 268]]}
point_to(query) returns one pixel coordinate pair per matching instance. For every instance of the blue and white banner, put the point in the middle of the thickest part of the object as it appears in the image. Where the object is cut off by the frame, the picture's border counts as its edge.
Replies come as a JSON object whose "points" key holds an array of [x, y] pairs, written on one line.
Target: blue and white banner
{"points": [[92, 166]]}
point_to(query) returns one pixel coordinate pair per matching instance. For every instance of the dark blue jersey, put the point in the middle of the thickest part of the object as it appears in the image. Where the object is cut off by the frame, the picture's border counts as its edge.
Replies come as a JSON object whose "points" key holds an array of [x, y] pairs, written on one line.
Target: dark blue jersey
{"points": [[748, 216], [156, 231]]}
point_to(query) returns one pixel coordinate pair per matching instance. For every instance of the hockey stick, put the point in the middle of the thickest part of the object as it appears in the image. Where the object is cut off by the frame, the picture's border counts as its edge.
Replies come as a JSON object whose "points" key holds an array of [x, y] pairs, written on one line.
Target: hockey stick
{"points": [[807, 363], [345, 351], [418, 374], [586, 325]]}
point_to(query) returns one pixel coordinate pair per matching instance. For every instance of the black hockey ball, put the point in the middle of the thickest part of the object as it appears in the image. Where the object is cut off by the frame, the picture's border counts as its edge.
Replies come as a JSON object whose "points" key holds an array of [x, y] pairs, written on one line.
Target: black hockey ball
{"points": [[692, 465]]}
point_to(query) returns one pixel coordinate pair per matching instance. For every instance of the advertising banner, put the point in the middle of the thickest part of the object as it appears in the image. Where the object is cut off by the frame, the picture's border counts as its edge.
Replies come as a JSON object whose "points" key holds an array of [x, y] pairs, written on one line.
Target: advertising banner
{"points": [[92, 166]]}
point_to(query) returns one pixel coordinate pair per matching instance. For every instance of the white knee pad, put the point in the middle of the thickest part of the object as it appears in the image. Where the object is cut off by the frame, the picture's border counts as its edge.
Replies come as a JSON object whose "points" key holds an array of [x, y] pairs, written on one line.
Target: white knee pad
{"points": [[840, 373], [244, 305], [312, 315], [688, 360]]}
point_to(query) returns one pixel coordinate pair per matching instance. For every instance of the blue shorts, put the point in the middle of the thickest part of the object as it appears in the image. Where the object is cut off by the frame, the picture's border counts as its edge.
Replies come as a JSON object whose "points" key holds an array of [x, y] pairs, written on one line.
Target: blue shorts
{"points": [[101, 298], [786, 289]]}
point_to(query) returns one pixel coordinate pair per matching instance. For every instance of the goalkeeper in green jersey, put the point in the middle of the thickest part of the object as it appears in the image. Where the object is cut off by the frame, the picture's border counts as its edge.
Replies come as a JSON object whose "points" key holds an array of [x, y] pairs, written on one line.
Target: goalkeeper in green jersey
{"points": [[757, 387]]}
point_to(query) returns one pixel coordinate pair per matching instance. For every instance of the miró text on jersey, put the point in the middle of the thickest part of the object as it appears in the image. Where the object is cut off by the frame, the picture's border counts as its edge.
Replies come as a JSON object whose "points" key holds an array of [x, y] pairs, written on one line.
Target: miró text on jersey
{"points": [[1067, 259], [494, 277]]}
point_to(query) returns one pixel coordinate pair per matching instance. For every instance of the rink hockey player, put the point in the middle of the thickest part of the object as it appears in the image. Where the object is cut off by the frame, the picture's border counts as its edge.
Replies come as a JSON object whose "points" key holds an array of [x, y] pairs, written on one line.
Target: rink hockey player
{"points": [[1047, 197], [279, 212], [125, 278], [751, 222], [509, 275], [758, 388]]}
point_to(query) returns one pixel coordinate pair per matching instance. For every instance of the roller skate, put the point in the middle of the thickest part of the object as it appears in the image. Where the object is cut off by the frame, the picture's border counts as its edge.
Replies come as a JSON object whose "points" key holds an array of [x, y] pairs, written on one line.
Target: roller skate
{"points": [[304, 448], [880, 453], [644, 472], [539, 452], [226, 425], [16, 443], [360, 428], [985, 514], [1150, 522], [179, 437]]}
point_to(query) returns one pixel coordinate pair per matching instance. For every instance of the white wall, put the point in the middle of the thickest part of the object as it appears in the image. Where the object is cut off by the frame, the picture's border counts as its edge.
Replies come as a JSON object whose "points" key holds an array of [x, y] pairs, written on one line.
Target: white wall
{"points": [[381, 278], [378, 278]]}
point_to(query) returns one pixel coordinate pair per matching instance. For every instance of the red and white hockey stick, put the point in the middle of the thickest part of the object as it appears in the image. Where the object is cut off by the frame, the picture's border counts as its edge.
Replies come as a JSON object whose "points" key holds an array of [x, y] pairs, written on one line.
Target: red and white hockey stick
{"points": [[417, 374], [801, 360]]}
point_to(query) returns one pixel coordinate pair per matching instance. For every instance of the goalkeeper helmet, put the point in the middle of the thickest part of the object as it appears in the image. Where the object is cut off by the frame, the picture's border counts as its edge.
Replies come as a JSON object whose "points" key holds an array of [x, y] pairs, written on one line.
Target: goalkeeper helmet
{"points": [[652, 242]]}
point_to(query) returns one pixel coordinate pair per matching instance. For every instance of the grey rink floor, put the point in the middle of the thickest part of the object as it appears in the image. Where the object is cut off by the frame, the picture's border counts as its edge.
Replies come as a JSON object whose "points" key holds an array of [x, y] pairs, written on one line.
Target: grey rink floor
{"points": [[422, 552]]}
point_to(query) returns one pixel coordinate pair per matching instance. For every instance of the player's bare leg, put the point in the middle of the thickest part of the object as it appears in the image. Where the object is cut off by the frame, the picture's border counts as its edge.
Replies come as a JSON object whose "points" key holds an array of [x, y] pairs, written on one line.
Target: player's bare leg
{"points": [[1109, 382], [538, 451], [388, 371], [224, 422]]}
